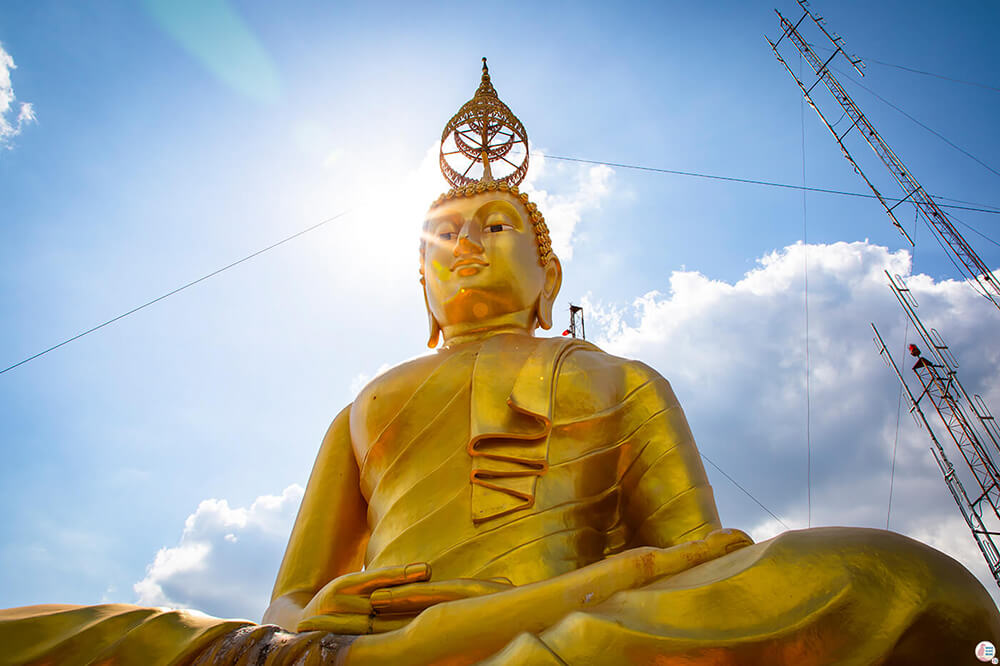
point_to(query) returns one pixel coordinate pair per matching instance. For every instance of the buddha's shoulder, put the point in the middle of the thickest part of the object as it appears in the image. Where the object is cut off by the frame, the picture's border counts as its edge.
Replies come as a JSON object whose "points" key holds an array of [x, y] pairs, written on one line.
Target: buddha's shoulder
{"points": [[589, 360], [394, 386], [593, 379]]}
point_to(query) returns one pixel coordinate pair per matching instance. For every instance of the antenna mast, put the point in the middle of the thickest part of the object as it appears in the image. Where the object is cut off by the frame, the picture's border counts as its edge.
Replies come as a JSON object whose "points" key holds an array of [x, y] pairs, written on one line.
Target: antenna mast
{"points": [[978, 444], [576, 327], [969, 263], [983, 537]]}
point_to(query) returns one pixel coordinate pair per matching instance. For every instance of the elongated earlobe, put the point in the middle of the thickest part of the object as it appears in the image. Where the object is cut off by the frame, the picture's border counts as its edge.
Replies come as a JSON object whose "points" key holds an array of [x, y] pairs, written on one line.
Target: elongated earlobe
{"points": [[550, 289], [434, 332]]}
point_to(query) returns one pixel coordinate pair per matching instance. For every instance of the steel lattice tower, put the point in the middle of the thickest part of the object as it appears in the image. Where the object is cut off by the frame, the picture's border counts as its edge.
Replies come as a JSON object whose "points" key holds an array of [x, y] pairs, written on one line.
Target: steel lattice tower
{"points": [[966, 260], [967, 420]]}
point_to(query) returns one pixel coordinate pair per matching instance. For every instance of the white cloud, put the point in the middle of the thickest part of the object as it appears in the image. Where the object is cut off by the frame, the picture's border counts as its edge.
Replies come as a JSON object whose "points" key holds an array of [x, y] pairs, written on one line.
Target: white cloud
{"points": [[25, 112], [226, 560], [735, 354], [563, 212], [766, 530]]}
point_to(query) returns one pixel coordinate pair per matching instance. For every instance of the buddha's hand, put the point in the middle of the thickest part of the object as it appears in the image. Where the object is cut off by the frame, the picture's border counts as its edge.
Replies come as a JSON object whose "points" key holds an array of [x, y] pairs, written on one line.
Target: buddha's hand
{"points": [[714, 545], [660, 562], [726, 540], [379, 600]]}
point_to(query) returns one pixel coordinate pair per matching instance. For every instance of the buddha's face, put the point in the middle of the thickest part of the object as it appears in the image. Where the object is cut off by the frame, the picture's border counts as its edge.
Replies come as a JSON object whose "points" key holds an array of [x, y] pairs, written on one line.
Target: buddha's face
{"points": [[481, 263]]}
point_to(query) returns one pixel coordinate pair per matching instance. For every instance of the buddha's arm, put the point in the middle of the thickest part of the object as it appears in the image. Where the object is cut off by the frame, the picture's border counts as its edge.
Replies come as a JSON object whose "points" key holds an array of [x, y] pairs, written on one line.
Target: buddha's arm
{"points": [[331, 530], [666, 496]]}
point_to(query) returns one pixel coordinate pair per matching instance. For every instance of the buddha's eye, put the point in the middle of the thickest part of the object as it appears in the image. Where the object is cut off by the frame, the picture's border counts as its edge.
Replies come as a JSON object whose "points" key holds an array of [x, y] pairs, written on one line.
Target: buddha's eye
{"points": [[495, 228], [448, 235]]}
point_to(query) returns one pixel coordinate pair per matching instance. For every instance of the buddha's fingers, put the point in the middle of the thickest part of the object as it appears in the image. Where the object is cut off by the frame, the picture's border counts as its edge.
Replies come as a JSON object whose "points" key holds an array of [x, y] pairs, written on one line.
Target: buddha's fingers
{"points": [[689, 555], [649, 563], [352, 624], [343, 603], [337, 623], [418, 596], [365, 582]]}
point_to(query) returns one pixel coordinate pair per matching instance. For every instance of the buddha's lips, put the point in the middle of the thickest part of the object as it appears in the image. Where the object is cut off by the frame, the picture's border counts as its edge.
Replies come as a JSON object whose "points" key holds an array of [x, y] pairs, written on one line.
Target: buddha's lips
{"points": [[469, 261]]}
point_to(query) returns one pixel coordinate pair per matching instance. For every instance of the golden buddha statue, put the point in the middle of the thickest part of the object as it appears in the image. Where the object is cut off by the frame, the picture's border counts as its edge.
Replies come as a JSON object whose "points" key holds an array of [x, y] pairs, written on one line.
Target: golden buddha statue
{"points": [[520, 500]]}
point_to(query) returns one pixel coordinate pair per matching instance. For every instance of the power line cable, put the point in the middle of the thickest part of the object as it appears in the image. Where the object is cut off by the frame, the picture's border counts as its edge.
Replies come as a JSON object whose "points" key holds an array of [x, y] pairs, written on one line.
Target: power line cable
{"points": [[752, 181], [899, 401], [177, 290], [745, 491], [919, 71], [973, 203], [805, 276], [937, 76], [929, 129], [974, 230], [895, 443]]}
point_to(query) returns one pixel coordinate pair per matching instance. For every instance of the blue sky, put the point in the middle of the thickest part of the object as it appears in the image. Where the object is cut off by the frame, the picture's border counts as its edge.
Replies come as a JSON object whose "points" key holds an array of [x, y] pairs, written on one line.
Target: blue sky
{"points": [[172, 138]]}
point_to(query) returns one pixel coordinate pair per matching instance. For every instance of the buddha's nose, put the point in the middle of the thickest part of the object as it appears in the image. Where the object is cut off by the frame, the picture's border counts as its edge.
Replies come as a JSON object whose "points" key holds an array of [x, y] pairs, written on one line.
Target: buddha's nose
{"points": [[469, 239]]}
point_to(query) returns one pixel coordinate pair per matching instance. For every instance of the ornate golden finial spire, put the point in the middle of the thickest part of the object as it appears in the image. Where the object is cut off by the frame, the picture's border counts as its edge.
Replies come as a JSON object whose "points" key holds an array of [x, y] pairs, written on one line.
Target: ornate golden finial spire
{"points": [[480, 139], [485, 87]]}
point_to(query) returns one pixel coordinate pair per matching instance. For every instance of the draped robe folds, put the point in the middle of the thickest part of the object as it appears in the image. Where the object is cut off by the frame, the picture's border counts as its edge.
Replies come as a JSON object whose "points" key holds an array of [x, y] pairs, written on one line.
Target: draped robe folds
{"points": [[553, 464], [527, 477]]}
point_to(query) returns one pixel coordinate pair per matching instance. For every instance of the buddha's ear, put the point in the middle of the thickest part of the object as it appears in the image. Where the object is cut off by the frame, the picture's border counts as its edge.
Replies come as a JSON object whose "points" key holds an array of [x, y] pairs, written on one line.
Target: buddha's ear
{"points": [[550, 289], [432, 323]]}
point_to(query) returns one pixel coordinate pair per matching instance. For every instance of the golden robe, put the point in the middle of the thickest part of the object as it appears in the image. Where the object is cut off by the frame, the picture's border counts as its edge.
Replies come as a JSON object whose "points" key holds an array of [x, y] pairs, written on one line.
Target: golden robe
{"points": [[566, 470], [518, 457]]}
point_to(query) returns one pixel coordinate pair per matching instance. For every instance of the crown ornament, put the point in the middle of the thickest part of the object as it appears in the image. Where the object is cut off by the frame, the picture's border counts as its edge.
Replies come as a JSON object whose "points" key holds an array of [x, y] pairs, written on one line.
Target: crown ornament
{"points": [[484, 142], [481, 140]]}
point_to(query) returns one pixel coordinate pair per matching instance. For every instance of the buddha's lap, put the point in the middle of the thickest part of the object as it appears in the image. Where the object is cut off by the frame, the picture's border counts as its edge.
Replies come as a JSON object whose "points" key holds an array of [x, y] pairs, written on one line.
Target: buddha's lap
{"points": [[828, 595]]}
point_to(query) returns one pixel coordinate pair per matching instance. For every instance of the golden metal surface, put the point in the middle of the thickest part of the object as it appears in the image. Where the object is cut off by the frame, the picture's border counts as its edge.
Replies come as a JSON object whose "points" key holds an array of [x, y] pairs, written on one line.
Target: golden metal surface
{"points": [[510, 499]]}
